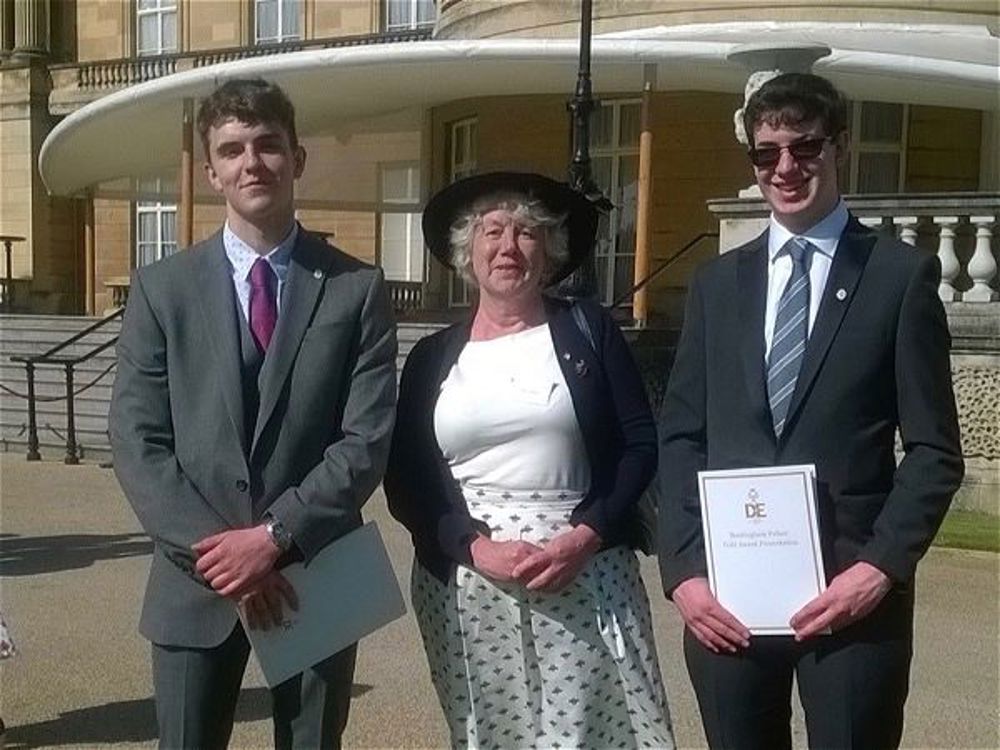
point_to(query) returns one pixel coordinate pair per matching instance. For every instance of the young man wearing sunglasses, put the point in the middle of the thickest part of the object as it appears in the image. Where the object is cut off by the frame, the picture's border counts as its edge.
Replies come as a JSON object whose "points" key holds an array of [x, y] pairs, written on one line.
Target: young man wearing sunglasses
{"points": [[814, 343]]}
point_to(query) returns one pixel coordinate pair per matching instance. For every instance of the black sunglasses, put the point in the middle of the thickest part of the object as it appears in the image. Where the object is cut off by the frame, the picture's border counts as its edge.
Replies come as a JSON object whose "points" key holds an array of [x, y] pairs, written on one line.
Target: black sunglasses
{"points": [[768, 156]]}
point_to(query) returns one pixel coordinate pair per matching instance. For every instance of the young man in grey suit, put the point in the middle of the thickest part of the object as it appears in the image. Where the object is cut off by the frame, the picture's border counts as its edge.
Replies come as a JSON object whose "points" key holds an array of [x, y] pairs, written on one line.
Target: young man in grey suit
{"points": [[251, 419], [813, 343]]}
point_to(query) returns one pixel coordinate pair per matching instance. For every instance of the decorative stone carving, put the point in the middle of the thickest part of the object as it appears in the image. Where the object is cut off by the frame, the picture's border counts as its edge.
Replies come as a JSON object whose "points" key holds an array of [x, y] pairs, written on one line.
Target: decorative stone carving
{"points": [[977, 393]]}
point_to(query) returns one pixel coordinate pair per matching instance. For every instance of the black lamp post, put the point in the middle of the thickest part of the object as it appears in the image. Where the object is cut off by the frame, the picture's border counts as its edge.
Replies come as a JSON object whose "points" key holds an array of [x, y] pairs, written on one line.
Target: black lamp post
{"points": [[583, 281]]}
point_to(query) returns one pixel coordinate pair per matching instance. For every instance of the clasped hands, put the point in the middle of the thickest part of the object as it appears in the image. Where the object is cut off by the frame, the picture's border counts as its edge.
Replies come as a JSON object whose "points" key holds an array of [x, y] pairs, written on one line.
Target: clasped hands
{"points": [[851, 595], [239, 564], [549, 567]]}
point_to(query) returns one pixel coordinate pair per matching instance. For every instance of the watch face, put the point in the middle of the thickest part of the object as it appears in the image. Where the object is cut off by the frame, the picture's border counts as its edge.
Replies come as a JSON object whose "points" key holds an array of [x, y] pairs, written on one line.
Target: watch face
{"points": [[281, 538]]}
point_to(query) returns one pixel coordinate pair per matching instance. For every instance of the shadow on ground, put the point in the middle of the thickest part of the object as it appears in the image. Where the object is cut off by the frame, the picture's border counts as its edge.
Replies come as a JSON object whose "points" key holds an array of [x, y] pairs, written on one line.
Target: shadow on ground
{"points": [[31, 555], [125, 721]]}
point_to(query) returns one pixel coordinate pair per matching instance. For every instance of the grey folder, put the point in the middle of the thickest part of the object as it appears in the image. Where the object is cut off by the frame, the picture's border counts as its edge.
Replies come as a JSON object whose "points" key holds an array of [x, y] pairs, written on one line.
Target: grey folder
{"points": [[348, 591]]}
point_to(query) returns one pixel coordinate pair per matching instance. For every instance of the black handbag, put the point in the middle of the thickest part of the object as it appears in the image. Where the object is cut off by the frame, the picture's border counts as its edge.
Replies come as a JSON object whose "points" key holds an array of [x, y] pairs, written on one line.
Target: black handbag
{"points": [[642, 532]]}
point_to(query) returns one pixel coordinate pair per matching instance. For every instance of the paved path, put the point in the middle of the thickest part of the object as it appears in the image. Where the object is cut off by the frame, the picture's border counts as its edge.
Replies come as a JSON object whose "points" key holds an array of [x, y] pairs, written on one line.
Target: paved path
{"points": [[73, 563]]}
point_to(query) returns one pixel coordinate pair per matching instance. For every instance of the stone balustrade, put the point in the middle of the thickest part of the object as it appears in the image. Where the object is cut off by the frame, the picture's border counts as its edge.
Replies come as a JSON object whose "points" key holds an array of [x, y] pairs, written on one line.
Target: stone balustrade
{"points": [[406, 296], [961, 228], [77, 84]]}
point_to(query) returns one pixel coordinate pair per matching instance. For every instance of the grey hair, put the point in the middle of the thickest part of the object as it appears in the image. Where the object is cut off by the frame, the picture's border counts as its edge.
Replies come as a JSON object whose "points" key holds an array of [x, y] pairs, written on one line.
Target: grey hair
{"points": [[526, 210]]}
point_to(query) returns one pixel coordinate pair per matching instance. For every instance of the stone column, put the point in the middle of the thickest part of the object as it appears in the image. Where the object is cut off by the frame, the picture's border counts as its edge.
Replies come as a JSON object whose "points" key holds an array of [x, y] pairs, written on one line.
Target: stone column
{"points": [[31, 28], [6, 29]]}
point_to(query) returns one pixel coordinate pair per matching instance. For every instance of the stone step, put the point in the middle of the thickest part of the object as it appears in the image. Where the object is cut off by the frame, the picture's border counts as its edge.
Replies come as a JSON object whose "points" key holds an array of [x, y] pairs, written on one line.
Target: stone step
{"points": [[32, 334]]}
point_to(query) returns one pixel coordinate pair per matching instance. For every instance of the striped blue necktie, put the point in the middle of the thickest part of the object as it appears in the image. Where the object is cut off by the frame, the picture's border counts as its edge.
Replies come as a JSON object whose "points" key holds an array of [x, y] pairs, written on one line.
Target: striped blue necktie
{"points": [[791, 329]]}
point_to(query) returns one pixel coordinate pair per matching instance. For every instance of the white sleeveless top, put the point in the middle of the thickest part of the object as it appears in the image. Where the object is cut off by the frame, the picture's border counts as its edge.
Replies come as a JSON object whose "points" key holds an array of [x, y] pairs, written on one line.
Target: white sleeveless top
{"points": [[504, 418]]}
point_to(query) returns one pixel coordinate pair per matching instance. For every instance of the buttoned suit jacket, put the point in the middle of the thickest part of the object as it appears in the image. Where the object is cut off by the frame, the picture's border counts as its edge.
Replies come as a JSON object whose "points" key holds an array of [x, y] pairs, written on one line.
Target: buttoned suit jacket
{"points": [[877, 359], [177, 424]]}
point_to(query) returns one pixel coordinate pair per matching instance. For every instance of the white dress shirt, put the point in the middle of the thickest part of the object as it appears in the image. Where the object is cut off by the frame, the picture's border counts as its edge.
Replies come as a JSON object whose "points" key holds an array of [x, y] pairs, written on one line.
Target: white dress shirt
{"points": [[824, 237], [242, 257]]}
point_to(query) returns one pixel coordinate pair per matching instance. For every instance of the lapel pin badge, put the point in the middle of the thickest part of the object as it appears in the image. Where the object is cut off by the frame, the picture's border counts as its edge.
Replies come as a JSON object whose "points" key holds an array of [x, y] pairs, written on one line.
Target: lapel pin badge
{"points": [[317, 274], [566, 356], [841, 294]]}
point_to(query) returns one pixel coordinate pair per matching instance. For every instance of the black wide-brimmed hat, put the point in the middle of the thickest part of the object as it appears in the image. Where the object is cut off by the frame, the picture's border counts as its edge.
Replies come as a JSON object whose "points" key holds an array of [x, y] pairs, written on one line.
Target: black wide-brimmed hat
{"points": [[445, 206]]}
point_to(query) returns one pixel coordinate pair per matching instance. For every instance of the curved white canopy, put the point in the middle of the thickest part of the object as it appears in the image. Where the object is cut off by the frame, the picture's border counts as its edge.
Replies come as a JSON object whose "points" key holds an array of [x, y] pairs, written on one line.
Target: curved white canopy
{"points": [[137, 131]]}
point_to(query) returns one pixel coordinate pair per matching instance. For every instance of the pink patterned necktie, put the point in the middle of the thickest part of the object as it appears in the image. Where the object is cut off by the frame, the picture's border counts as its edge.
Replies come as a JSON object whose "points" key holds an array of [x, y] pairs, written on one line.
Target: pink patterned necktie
{"points": [[263, 303]]}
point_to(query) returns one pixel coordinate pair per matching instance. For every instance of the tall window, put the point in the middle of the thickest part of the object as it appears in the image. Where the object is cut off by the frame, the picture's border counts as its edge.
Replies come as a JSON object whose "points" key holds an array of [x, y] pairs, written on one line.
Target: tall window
{"points": [[461, 163], [155, 224], [614, 146], [276, 21], [401, 15], [402, 243], [878, 147], [156, 27]]}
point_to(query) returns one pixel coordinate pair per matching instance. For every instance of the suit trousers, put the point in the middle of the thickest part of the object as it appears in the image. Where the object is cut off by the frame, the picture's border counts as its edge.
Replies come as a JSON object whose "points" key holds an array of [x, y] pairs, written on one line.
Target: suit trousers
{"points": [[197, 689], [852, 685]]}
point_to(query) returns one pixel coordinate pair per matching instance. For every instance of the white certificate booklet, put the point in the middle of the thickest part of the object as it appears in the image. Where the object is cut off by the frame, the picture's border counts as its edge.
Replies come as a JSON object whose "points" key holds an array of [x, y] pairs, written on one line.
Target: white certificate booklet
{"points": [[348, 591], [762, 543]]}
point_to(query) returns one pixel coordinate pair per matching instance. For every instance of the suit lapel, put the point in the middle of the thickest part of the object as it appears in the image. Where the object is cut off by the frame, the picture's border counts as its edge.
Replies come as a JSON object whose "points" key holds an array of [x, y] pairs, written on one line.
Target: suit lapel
{"points": [[848, 263], [218, 305], [307, 271], [751, 284]]}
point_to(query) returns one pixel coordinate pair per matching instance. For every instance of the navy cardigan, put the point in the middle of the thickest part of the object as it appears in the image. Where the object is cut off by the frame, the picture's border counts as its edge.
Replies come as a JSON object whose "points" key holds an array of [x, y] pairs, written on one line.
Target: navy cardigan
{"points": [[611, 407]]}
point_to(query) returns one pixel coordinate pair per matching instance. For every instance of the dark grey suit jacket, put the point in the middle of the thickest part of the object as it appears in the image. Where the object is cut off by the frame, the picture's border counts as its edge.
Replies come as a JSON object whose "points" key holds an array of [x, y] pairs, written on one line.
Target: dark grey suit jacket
{"points": [[327, 400], [877, 359]]}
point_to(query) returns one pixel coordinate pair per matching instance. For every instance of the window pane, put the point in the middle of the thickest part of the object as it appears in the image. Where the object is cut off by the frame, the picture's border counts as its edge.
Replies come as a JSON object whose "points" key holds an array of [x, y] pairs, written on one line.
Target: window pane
{"points": [[394, 234], [395, 184], [629, 135], [425, 11], [290, 19], [267, 20], [624, 276], [602, 244], [600, 169], [473, 129], [878, 173], [148, 40], [145, 254], [147, 4], [169, 32], [601, 266], [168, 223], [146, 226], [416, 269], [459, 135], [169, 249], [397, 13], [601, 126], [881, 122]]}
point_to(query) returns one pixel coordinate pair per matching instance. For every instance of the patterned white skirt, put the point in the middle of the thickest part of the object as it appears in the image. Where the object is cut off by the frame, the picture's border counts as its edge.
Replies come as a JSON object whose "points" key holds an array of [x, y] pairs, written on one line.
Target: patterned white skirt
{"points": [[519, 669]]}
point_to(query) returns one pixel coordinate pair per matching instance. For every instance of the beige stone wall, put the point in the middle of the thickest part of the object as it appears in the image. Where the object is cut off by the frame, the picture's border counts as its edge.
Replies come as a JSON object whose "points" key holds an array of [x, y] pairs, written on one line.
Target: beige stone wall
{"points": [[473, 19], [113, 244], [944, 146], [47, 259], [332, 18], [15, 187], [215, 24], [353, 231], [103, 29]]}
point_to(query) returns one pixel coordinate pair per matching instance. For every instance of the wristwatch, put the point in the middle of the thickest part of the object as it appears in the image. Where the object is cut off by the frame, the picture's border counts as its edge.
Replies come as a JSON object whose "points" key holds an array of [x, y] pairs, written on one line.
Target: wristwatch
{"points": [[280, 536]]}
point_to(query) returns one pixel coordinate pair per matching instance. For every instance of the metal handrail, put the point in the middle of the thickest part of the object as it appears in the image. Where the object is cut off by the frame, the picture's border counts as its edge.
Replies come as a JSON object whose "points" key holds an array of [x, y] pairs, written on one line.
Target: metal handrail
{"points": [[31, 361], [661, 268]]}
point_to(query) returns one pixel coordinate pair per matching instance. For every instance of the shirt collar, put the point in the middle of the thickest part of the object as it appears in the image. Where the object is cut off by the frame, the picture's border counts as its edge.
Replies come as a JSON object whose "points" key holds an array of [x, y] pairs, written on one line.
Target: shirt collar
{"points": [[242, 257], [824, 236]]}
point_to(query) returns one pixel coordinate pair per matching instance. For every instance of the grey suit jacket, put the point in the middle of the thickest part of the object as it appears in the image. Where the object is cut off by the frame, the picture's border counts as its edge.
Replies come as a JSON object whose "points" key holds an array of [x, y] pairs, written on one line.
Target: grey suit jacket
{"points": [[327, 401], [877, 360]]}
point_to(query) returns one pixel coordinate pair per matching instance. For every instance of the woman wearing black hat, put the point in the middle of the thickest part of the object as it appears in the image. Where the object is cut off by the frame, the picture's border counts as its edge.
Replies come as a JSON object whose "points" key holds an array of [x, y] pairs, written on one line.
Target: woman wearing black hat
{"points": [[523, 441]]}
